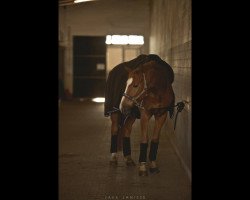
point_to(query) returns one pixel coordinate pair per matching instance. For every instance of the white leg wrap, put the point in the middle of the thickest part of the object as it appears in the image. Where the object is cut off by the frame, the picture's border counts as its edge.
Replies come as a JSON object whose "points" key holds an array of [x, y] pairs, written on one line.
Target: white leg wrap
{"points": [[113, 156], [153, 164], [143, 166]]}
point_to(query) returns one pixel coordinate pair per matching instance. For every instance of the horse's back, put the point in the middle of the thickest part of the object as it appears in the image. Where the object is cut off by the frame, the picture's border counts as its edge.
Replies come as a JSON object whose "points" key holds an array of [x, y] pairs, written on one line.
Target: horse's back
{"points": [[164, 64]]}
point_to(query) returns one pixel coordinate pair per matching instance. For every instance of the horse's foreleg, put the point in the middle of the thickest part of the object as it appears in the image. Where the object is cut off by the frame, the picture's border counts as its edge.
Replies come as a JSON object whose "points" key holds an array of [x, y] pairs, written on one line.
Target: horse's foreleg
{"points": [[159, 121], [145, 117], [115, 120], [127, 128]]}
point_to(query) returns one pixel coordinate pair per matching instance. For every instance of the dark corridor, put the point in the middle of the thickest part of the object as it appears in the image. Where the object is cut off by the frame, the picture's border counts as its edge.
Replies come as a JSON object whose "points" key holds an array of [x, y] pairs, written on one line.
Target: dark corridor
{"points": [[89, 66]]}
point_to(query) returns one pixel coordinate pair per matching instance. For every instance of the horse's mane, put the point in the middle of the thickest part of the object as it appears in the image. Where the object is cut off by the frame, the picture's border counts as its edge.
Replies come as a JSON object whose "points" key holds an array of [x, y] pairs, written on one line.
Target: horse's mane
{"points": [[158, 75], [162, 64]]}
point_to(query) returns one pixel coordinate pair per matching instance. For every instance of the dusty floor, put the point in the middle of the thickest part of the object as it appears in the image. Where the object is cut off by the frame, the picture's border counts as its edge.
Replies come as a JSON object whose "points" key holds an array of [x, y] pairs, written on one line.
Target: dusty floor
{"points": [[84, 171]]}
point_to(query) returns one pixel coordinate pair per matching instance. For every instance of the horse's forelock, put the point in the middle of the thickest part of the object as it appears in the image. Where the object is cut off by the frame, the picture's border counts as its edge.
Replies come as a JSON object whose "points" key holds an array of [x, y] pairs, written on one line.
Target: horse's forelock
{"points": [[137, 76]]}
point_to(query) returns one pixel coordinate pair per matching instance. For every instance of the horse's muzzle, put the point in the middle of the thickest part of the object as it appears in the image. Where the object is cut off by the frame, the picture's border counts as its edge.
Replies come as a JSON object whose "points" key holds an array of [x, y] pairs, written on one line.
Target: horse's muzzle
{"points": [[124, 107]]}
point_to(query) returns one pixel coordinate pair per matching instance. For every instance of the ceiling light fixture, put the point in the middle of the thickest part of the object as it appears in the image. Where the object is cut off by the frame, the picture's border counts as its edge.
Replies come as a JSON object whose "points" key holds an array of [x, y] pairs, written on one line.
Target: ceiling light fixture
{"points": [[80, 1], [125, 39]]}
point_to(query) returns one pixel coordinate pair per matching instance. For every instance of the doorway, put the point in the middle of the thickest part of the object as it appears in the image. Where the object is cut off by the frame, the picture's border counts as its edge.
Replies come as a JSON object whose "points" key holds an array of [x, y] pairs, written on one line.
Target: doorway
{"points": [[89, 66], [117, 54]]}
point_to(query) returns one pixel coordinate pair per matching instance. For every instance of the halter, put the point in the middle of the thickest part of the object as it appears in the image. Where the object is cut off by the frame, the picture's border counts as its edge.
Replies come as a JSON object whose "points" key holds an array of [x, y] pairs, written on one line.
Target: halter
{"points": [[134, 99], [179, 105]]}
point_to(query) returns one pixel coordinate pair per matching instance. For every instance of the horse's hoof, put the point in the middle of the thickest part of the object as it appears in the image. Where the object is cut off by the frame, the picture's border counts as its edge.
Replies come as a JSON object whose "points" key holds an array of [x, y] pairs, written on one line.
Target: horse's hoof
{"points": [[113, 163], [143, 173], [143, 169], [130, 163], [154, 170]]}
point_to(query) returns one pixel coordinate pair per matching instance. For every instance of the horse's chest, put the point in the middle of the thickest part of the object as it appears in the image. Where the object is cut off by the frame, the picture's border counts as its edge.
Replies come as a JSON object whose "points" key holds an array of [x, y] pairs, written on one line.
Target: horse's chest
{"points": [[158, 111]]}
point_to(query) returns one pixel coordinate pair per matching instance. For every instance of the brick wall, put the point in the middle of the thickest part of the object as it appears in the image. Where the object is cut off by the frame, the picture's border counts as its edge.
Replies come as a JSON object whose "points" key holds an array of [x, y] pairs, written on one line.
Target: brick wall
{"points": [[171, 39]]}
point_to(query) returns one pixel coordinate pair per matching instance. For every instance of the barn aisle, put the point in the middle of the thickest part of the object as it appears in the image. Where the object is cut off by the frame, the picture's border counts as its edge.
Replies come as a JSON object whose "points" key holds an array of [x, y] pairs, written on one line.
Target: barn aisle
{"points": [[84, 171]]}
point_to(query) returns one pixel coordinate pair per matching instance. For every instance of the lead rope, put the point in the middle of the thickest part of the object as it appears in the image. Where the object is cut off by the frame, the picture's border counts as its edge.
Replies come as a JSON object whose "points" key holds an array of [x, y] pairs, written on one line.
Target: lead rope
{"points": [[180, 106]]}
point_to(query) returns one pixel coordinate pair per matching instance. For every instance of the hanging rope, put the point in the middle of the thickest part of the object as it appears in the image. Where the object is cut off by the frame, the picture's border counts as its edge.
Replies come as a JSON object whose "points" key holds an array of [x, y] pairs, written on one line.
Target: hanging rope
{"points": [[180, 106]]}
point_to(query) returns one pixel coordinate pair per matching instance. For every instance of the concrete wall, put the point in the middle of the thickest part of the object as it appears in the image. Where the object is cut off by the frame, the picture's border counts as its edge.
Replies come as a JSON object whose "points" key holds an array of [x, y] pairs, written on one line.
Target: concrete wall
{"points": [[100, 18], [171, 38]]}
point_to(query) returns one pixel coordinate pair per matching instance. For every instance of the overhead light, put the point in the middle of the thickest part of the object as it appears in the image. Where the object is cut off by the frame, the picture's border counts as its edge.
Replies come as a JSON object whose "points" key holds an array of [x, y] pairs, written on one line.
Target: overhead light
{"points": [[80, 1], [125, 39], [99, 99], [135, 39], [119, 39]]}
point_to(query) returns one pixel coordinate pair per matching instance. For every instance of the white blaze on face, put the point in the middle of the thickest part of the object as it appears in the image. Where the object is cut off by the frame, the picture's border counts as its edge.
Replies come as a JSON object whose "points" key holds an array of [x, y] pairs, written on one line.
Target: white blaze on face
{"points": [[129, 81]]}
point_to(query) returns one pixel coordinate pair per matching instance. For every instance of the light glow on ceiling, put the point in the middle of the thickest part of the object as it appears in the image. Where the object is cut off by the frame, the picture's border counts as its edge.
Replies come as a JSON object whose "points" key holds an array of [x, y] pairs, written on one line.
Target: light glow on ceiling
{"points": [[125, 39]]}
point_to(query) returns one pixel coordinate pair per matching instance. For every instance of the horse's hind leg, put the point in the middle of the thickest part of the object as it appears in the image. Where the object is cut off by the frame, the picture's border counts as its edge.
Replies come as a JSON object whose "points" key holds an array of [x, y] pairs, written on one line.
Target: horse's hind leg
{"points": [[159, 121], [127, 128], [115, 120]]}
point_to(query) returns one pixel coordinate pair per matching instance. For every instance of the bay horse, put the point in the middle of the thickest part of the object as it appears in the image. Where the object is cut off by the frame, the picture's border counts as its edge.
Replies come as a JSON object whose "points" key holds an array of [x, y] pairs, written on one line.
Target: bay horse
{"points": [[148, 92]]}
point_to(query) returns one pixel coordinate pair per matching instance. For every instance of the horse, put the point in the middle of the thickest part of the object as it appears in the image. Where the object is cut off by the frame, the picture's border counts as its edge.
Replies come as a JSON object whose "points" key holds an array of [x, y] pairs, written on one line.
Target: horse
{"points": [[148, 92]]}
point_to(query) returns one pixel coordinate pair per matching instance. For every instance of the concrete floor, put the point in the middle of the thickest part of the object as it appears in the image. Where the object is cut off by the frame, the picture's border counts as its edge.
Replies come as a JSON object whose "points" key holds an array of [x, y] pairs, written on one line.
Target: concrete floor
{"points": [[84, 171]]}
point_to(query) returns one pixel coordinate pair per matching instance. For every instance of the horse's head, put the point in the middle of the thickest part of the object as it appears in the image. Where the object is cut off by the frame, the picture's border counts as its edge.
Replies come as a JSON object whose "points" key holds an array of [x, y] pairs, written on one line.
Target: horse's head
{"points": [[134, 92], [148, 86]]}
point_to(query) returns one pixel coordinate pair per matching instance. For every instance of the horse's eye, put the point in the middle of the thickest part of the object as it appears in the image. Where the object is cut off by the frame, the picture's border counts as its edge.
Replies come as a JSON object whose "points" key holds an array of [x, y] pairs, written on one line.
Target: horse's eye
{"points": [[135, 85]]}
